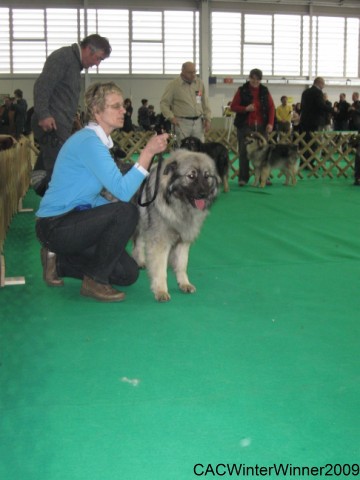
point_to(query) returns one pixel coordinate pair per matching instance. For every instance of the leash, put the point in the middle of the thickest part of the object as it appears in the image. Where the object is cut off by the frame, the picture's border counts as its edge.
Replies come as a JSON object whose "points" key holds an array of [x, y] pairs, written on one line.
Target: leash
{"points": [[173, 138], [160, 156], [181, 131], [157, 181]]}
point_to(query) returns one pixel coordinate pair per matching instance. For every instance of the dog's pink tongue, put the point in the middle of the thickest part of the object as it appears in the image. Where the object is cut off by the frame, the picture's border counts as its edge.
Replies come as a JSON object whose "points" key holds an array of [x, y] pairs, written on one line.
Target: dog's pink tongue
{"points": [[200, 203]]}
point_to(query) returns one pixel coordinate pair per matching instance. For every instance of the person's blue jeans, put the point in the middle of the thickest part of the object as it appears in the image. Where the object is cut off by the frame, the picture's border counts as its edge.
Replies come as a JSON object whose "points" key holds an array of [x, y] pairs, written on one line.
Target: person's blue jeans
{"points": [[92, 242]]}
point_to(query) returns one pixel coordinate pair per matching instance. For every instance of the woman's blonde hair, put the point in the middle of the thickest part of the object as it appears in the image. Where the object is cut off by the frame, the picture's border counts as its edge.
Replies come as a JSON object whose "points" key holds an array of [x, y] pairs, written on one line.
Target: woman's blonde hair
{"points": [[95, 98]]}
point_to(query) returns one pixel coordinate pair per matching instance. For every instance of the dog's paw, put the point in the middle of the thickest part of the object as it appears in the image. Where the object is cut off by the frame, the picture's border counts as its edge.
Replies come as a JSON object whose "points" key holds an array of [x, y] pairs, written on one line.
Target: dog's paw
{"points": [[141, 265], [139, 259], [187, 288], [162, 296]]}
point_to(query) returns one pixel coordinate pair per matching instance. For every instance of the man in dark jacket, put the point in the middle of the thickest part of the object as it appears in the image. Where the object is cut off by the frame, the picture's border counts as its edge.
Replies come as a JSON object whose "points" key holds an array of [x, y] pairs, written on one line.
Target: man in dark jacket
{"points": [[313, 111], [354, 124], [56, 98], [313, 106], [354, 113], [255, 111], [144, 115], [20, 108], [341, 120]]}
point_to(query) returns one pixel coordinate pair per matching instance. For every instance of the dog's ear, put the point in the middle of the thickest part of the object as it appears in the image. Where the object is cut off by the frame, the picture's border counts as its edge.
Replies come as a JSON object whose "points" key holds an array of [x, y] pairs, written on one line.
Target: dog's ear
{"points": [[171, 167], [261, 140]]}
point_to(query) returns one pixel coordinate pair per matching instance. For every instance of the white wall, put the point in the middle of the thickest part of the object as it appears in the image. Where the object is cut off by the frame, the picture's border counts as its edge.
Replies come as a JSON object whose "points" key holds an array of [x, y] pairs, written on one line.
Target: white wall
{"points": [[152, 89]]}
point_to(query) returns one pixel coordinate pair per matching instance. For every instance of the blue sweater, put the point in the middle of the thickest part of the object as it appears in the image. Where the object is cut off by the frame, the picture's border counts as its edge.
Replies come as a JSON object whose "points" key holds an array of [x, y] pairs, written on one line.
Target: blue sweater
{"points": [[83, 167]]}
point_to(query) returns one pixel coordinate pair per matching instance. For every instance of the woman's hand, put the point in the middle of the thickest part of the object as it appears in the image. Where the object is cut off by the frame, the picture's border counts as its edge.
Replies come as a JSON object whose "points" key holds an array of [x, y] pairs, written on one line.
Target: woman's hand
{"points": [[156, 144]]}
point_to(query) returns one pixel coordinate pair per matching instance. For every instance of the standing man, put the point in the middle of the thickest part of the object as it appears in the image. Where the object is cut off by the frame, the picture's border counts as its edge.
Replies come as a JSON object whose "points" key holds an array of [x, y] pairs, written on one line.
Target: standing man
{"points": [[6, 117], [354, 125], [354, 113], [283, 115], [255, 112], [328, 116], [56, 99], [20, 108], [144, 115], [313, 112], [186, 105], [341, 121]]}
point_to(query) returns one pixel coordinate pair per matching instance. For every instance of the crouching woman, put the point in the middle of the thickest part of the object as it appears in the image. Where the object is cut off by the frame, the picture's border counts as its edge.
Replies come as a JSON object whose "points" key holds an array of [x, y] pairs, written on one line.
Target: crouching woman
{"points": [[82, 234]]}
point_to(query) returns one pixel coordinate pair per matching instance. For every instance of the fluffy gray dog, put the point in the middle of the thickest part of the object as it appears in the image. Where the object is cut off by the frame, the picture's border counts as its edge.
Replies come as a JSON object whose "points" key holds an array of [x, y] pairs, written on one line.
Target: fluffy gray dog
{"points": [[179, 193]]}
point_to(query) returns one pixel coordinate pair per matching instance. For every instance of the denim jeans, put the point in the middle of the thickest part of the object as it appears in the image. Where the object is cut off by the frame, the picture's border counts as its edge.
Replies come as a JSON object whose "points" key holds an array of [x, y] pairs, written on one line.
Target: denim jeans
{"points": [[92, 242]]}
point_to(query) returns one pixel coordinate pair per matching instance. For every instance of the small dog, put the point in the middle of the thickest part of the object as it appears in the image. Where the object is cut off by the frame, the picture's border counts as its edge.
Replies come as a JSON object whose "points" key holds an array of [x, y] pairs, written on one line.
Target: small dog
{"points": [[265, 157], [216, 151]]}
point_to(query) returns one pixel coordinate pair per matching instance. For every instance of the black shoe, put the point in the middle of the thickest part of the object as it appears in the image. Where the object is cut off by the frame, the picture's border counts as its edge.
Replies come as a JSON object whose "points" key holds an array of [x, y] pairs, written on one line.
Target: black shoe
{"points": [[357, 182]]}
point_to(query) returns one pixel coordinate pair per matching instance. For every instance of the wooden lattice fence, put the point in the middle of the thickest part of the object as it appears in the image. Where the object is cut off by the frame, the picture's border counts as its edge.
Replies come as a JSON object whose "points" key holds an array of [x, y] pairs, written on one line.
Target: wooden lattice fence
{"points": [[327, 154], [15, 169]]}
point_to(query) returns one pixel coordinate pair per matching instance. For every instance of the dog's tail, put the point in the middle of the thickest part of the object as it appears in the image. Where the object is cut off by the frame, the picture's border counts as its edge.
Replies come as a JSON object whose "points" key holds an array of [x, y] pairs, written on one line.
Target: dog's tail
{"points": [[262, 142]]}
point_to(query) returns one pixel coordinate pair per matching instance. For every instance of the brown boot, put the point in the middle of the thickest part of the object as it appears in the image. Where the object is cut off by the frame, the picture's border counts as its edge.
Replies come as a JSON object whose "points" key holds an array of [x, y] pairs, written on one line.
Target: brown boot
{"points": [[100, 291], [50, 276]]}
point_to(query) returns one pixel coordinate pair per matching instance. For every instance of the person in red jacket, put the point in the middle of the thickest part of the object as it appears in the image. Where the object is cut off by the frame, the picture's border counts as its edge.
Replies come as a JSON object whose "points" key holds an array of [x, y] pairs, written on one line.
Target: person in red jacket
{"points": [[255, 111]]}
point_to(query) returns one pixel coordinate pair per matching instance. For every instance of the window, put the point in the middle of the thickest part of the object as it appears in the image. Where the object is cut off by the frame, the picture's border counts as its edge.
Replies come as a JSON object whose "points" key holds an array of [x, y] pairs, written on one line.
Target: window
{"points": [[287, 39], [184, 26], [158, 42], [330, 46], [62, 27], [142, 42], [147, 42], [28, 40], [283, 45], [114, 25], [4, 40], [226, 43], [352, 47]]}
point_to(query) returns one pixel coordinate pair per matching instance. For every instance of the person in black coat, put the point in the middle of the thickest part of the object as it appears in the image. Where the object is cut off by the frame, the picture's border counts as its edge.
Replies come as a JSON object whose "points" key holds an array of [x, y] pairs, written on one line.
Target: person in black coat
{"points": [[354, 113], [128, 125], [341, 121], [313, 111], [144, 115], [354, 125], [20, 108]]}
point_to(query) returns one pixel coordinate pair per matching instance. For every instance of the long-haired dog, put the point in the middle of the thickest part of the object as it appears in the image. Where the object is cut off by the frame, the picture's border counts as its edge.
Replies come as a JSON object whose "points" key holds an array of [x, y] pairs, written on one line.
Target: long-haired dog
{"points": [[265, 157], [216, 151], [178, 193]]}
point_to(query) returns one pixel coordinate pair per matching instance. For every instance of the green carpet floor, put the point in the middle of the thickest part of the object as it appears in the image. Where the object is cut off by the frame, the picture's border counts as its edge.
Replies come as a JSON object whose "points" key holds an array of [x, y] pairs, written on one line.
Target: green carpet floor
{"points": [[259, 367]]}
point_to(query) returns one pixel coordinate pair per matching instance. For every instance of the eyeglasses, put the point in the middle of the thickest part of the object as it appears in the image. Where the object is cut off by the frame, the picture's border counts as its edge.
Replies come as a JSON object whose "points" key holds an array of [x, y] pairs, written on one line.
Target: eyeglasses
{"points": [[100, 58], [115, 106]]}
